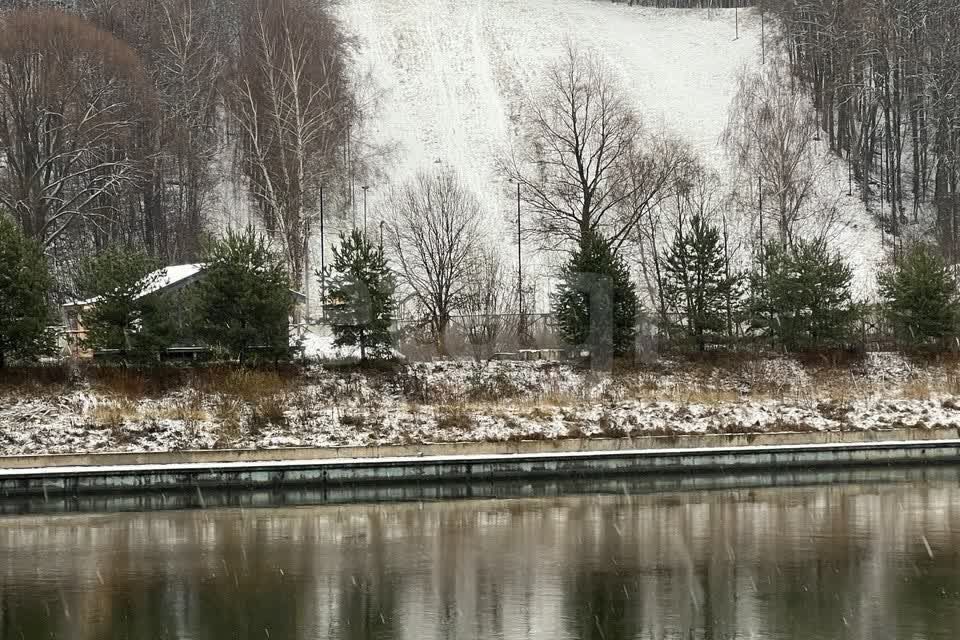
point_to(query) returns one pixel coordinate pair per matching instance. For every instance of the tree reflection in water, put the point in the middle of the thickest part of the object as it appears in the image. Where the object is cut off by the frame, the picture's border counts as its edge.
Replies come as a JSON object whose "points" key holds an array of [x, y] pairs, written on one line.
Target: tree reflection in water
{"points": [[813, 562]]}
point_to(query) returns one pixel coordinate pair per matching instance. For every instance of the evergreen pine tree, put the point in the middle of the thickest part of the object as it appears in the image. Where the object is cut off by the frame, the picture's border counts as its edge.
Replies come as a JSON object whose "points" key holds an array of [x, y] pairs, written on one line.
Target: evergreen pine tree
{"points": [[122, 318], [360, 297], [596, 303], [24, 285], [801, 296], [243, 302], [921, 297], [698, 287]]}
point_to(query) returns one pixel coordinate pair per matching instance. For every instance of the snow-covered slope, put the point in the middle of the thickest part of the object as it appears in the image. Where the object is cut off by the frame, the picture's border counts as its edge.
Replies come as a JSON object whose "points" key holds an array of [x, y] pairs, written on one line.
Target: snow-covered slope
{"points": [[452, 75]]}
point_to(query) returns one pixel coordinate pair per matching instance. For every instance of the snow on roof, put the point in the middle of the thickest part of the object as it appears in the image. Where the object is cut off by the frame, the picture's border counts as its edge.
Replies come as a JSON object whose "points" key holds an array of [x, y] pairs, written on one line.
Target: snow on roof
{"points": [[158, 280], [168, 276]]}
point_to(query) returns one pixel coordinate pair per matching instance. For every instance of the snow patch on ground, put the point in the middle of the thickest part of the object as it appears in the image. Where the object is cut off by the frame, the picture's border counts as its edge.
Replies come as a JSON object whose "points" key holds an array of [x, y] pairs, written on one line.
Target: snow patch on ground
{"points": [[495, 401]]}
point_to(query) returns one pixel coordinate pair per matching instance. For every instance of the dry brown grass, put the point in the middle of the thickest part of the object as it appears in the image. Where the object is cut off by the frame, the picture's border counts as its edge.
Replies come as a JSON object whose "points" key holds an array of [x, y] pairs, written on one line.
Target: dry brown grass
{"points": [[228, 413], [249, 384], [115, 413], [268, 411], [916, 390], [190, 409], [454, 417]]}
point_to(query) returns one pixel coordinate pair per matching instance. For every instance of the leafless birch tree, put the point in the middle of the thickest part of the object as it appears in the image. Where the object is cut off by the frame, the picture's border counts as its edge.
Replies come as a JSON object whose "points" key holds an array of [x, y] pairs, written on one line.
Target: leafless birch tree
{"points": [[290, 101], [771, 137]]}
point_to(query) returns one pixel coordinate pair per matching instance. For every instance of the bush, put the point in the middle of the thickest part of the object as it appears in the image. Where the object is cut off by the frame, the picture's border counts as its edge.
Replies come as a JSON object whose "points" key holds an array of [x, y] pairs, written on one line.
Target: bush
{"points": [[24, 288]]}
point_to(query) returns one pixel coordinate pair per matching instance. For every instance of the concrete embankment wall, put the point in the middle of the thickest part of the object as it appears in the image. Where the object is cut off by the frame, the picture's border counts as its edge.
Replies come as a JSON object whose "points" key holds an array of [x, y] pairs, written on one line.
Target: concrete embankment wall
{"points": [[466, 462]]}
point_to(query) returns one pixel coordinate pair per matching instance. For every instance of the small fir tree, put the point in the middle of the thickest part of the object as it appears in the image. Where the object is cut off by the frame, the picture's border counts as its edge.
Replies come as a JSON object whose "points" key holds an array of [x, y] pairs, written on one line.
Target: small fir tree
{"points": [[801, 296], [596, 303], [698, 287], [124, 315], [360, 297], [243, 302], [24, 286], [921, 298]]}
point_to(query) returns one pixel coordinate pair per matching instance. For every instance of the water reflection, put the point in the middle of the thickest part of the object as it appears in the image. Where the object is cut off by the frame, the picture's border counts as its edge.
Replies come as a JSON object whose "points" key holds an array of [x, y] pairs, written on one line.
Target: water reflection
{"points": [[871, 559]]}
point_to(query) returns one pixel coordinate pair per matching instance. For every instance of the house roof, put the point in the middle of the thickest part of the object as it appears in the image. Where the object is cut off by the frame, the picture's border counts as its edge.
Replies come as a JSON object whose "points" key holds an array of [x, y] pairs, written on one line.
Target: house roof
{"points": [[162, 279]]}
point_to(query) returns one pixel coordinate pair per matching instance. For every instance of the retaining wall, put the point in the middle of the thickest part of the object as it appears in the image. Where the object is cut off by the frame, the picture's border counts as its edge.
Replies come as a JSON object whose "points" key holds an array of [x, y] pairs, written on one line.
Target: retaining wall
{"points": [[465, 462]]}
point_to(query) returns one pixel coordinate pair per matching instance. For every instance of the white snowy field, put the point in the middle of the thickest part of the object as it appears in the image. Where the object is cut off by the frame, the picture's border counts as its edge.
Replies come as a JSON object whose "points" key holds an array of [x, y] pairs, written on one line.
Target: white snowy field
{"points": [[453, 75], [451, 78]]}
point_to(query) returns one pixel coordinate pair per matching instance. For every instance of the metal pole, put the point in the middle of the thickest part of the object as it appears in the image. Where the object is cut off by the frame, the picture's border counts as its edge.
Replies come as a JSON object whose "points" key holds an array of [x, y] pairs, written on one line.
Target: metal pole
{"points": [[849, 175], [323, 266], [736, 20], [763, 40], [306, 271], [365, 187], [522, 327], [760, 192], [882, 230], [381, 234]]}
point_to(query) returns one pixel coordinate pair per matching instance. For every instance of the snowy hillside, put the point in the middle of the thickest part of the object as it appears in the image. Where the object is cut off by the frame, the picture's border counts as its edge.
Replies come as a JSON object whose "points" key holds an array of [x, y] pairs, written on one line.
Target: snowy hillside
{"points": [[453, 75]]}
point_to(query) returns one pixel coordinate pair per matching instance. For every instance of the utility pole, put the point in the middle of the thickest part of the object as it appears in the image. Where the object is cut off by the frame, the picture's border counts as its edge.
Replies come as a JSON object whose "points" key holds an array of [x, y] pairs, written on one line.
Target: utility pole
{"points": [[883, 231], [523, 323], [382, 222], [736, 20], [849, 174], [306, 271], [365, 187], [763, 39], [323, 266], [760, 194]]}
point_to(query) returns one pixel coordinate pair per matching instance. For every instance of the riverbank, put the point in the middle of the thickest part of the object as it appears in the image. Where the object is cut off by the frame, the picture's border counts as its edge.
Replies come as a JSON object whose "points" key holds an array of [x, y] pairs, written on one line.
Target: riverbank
{"points": [[463, 402], [434, 465]]}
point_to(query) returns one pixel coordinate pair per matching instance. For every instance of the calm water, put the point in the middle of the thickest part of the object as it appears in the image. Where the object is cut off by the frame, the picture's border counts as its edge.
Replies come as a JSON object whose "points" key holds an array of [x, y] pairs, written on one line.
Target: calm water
{"points": [[870, 559]]}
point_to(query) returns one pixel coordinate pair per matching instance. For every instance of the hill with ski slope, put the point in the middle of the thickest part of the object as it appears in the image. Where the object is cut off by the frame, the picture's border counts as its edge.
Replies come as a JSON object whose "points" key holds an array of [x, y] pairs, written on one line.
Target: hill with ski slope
{"points": [[451, 77]]}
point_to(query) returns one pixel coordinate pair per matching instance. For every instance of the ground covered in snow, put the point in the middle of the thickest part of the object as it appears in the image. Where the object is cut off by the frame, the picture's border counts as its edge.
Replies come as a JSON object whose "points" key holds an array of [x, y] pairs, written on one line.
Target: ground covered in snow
{"points": [[450, 83], [465, 401]]}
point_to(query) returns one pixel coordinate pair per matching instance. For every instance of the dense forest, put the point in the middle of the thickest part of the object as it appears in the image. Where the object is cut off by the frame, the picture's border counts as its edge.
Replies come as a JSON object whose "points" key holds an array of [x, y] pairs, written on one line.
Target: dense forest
{"points": [[883, 75]]}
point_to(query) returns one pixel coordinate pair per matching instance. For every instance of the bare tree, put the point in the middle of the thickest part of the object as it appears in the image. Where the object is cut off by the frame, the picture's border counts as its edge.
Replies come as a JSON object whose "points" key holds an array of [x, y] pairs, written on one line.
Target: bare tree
{"points": [[71, 99], [435, 236], [184, 45], [490, 302], [581, 164], [291, 105], [771, 137]]}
